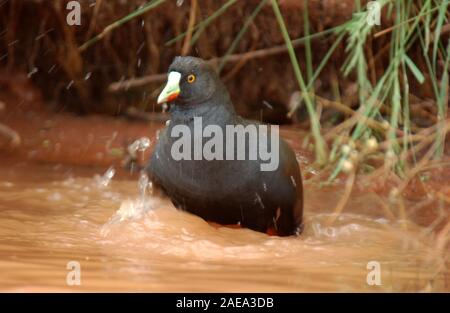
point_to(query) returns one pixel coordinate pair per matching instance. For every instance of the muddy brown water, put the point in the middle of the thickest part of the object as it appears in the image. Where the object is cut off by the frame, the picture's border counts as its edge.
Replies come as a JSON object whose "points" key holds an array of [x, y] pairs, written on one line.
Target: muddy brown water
{"points": [[52, 214]]}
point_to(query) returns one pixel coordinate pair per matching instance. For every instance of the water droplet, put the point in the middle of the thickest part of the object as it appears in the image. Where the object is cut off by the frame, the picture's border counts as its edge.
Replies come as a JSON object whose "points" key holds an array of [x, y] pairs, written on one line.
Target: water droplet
{"points": [[180, 3], [258, 199], [51, 68], [140, 48], [69, 85], [13, 42], [293, 181], [40, 36], [33, 71], [267, 104], [88, 75]]}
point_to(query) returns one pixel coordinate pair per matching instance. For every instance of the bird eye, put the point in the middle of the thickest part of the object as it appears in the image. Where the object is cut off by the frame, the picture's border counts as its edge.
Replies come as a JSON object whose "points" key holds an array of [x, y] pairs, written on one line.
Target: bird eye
{"points": [[191, 78]]}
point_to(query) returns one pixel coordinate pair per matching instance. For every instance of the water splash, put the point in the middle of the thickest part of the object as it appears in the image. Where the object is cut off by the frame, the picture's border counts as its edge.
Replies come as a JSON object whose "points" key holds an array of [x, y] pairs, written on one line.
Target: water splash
{"points": [[131, 158], [132, 209], [140, 145], [104, 180], [129, 210], [144, 185]]}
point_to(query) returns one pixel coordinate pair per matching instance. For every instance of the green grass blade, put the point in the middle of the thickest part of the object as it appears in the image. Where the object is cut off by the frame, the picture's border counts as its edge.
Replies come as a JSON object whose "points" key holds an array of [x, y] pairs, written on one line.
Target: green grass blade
{"points": [[320, 148], [437, 31], [203, 24], [241, 33], [149, 6], [320, 68], [308, 54], [414, 69], [442, 101]]}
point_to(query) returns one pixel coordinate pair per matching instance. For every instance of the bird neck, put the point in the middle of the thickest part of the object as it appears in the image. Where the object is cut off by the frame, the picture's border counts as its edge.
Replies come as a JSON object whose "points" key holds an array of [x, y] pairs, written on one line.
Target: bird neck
{"points": [[219, 111]]}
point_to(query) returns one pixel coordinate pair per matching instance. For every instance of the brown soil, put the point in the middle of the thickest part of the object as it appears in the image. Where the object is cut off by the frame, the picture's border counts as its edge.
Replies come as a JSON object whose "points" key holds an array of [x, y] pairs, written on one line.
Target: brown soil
{"points": [[37, 32]]}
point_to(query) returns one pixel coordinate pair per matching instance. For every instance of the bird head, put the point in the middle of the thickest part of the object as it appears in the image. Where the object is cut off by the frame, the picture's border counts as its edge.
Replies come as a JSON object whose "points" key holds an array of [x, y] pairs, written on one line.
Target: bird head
{"points": [[190, 81]]}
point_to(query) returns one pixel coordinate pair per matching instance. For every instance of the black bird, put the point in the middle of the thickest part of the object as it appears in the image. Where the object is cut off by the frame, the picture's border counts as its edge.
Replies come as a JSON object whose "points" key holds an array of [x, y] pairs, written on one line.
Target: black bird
{"points": [[222, 190]]}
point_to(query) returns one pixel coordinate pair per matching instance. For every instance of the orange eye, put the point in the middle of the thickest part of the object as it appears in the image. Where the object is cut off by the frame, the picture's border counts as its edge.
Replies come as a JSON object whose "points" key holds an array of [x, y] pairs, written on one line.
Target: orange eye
{"points": [[191, 78]]}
